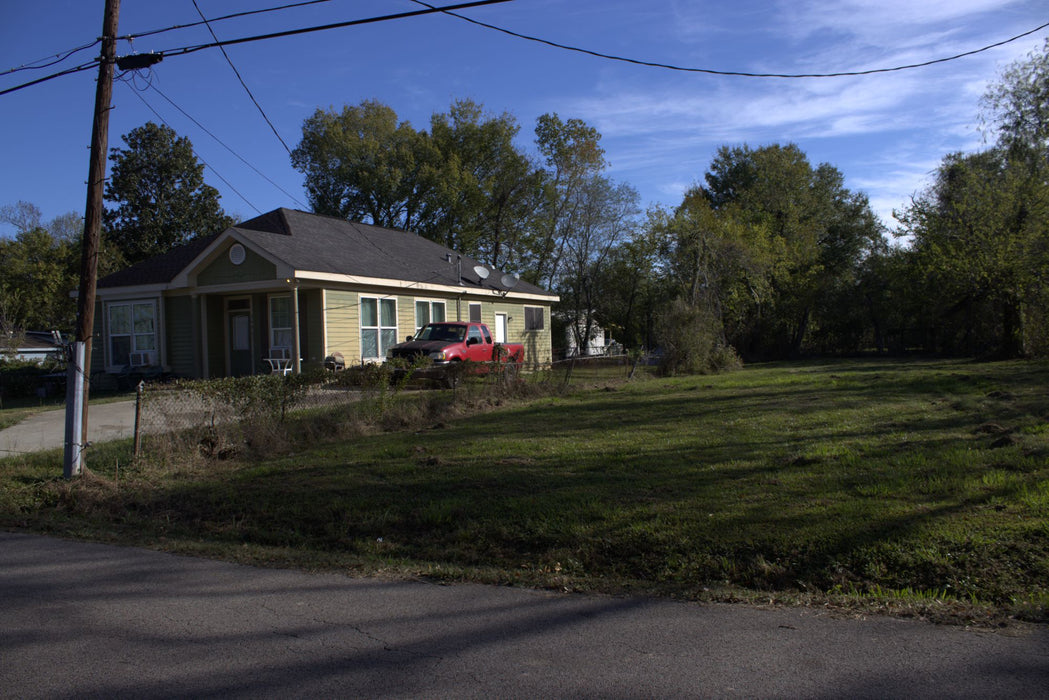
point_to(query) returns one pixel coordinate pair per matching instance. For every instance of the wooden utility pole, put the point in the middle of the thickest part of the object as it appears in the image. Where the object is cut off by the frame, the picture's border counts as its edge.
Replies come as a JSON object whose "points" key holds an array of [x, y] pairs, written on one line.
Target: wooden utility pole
{"points": [[78, 384]]}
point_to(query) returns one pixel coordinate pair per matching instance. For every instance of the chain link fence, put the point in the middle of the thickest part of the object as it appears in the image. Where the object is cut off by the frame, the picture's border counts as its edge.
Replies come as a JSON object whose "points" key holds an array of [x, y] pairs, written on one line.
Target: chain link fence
{"points": [[221, 417]]}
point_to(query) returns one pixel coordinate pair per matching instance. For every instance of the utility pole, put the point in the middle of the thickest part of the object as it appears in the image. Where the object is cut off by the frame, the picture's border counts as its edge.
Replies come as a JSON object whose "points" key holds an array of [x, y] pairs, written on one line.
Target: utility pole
{"points": [[77, 389]]}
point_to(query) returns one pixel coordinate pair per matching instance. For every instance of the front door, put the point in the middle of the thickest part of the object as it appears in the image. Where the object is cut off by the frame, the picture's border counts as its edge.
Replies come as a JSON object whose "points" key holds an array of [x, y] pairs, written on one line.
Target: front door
{"points": [[239, 330], [500, 328]]}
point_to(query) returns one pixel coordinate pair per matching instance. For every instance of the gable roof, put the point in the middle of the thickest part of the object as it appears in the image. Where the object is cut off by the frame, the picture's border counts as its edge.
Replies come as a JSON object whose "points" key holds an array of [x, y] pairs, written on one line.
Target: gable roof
{"points": [[311, 243], [160, 269]]}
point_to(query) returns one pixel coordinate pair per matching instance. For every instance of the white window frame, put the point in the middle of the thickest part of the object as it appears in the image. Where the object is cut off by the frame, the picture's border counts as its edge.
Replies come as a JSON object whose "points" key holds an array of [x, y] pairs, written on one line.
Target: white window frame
{"points": [[135, 344], [380, 329], [430, 304], [480, 311], [289, 330]]}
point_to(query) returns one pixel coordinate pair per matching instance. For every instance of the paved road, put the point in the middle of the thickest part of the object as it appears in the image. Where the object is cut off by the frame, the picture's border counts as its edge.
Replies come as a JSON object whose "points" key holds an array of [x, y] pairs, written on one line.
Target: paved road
{"points": [[47, 430], [87, 620]]}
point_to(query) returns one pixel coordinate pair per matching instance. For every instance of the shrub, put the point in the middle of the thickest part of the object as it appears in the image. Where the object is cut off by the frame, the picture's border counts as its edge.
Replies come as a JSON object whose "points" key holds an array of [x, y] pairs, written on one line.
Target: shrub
{"points": [[691, 338]]}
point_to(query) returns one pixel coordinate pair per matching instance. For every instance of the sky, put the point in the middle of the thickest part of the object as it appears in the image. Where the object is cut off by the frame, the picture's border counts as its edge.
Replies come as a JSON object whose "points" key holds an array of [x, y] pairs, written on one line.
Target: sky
{"points": [[886, 132]]}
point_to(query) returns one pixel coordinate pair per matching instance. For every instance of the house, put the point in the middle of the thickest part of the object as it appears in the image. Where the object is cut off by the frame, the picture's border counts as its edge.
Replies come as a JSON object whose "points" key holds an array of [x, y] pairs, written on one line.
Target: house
{"points": [[298, 286], [33, 346]]}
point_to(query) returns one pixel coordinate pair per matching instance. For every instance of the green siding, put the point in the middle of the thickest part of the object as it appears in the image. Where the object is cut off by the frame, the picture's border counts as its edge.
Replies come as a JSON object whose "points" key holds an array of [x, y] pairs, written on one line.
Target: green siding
{"points": [[222, 271], [178, 317], [216, 351]]}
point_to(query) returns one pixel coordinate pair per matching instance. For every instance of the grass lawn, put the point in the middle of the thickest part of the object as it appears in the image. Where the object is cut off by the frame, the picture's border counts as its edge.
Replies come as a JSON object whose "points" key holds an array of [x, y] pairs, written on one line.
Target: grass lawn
{"points": [[916, 487]]}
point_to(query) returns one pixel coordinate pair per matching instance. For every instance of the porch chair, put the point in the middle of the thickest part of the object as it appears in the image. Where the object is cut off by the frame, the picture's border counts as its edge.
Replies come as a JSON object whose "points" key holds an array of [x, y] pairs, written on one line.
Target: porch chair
{"points": [[279, 360]]}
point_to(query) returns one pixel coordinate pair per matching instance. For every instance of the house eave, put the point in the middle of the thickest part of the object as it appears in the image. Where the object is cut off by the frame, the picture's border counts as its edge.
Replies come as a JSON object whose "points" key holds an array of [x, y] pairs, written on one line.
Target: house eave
{"points": [[455, 290]]}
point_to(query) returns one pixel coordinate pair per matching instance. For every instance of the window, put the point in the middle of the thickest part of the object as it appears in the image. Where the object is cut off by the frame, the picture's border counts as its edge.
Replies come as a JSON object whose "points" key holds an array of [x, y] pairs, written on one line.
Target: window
{"points": [[474, 335], [533, 318], [427, 311], [475, 313], [281, 327], [378, 327], [132, 334]]}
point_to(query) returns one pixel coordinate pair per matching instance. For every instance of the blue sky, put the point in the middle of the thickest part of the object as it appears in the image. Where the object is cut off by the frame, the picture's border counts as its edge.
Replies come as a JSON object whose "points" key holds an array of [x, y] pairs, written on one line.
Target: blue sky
{"points": [[885, 132]]}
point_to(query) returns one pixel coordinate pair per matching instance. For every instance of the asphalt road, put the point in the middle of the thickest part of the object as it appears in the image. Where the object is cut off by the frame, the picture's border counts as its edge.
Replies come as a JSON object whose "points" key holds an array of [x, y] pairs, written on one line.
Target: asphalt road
{"points": [[86, 620]]}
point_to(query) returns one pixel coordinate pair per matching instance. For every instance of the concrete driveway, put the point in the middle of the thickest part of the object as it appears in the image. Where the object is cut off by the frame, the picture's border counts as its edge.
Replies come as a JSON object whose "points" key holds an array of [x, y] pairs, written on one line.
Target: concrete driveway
{"points": [[46, 431], [87, 620]]}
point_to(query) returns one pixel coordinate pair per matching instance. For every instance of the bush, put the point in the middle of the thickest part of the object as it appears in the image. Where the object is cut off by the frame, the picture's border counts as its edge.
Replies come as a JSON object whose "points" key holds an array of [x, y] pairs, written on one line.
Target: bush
{"points": [[691, 338], [22, 378]]}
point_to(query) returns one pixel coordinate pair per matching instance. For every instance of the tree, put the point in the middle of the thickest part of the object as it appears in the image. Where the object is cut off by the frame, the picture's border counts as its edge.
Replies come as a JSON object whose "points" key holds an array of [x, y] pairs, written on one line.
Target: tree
{"points": [[1017, 105], [160, 199], [629, 290], [603, 217], [40, 266], [807, 230], [488, 190], [362, 164], [465, 184], [981, 230], [573, 156], [980, 238]]}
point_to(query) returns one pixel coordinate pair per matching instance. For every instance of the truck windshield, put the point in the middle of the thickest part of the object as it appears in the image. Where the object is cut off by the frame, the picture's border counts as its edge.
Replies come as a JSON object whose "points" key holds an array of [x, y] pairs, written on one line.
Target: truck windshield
{"points": [[447, 333]]}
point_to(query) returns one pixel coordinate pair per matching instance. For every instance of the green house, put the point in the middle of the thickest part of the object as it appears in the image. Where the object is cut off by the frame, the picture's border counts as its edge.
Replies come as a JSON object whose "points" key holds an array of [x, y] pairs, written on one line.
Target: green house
{"points": [[301, 287]]}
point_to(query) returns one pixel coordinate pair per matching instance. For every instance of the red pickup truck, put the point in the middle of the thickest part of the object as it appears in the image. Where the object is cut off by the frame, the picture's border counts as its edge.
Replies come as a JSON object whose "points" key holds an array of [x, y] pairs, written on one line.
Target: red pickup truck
{"points": [[450, 343]]}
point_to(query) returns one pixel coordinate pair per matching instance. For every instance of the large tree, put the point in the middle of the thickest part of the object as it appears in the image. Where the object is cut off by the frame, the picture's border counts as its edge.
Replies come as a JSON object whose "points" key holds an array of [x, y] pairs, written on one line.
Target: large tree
{"points": [[981, 231], [573, 157], [464, 184], [363, 164], [39, 267], [488, 188], [810, 230], [157, 194]]}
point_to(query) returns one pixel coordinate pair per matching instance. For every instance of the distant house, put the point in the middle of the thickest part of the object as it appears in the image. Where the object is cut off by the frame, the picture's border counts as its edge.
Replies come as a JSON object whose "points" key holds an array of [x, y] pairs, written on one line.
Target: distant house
{"points": [[599, 342], [289, 284], [34, 346]]}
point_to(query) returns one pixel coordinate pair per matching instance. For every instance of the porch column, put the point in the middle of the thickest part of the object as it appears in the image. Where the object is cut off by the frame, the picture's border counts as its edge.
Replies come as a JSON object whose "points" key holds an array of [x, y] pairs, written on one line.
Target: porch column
{"points": [[295, 349]]}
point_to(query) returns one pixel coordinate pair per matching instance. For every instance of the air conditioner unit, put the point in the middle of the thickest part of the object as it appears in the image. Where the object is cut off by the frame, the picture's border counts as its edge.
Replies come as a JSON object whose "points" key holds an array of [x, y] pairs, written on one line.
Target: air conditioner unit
{"points": [[141, 359]]}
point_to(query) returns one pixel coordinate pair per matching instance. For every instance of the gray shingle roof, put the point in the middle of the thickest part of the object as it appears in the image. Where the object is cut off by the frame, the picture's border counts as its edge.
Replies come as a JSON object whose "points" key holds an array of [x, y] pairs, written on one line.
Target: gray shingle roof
{"points": [[160, 269], [312, 243]]}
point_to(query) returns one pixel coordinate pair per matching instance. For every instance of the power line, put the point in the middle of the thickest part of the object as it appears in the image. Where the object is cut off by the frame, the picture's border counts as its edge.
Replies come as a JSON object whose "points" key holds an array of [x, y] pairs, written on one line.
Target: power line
{"points": [[336, 25], [68, 71], [63, 55], [52, 60], [235, 15], [206, 164], [200, 126], [241, 79], [191, 49], [711, 71]]}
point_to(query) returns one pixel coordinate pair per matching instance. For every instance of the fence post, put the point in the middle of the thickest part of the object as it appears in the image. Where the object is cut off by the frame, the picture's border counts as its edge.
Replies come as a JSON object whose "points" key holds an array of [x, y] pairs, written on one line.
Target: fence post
{"points": [[138, 415]]}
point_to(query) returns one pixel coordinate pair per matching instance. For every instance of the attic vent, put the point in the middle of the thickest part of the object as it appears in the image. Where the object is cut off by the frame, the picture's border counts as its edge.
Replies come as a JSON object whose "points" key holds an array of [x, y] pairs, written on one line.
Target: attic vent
{"points": [[237, 254]]}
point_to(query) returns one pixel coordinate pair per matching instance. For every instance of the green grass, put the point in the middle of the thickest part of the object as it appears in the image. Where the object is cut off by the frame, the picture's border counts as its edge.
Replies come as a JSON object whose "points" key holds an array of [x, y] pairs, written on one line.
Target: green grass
{"points": [[920, 487]]}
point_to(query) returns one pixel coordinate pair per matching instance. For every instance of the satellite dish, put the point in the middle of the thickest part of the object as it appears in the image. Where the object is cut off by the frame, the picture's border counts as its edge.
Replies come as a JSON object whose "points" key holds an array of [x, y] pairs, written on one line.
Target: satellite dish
{"points": [[481, 271], [508, 281]]}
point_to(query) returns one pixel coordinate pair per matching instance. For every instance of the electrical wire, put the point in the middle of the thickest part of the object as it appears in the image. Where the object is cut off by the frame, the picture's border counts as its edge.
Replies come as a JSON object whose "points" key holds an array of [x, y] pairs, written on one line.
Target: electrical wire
{"points": [[68, 71], [220, 19], [738, 74], [52, 60], [291, 32], [200, 126], [138, 94], [241, 79], [181, 51]]}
